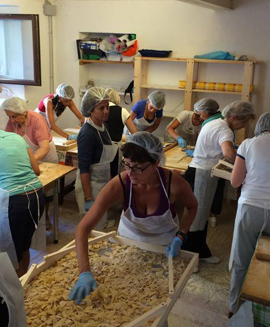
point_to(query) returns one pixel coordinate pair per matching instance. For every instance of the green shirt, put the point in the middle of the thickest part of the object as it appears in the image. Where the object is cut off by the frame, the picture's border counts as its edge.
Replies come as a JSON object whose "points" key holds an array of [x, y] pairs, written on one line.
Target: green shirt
{"points": [[216, 116], [16, 172]]}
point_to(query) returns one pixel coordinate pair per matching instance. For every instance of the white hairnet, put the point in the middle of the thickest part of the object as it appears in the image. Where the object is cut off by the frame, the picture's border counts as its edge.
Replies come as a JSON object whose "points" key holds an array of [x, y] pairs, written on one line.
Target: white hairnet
{"points": [[149, 142], [263, 124], [207, 105], [65, 91], [157, 99], [91, 98], [114, 96], [14, 104], [238, 108]]}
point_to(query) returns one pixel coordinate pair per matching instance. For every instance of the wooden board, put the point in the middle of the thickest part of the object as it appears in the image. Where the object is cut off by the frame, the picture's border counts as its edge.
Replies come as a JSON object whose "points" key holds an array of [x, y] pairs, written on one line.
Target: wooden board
{"points": [[177, 159], [62, 144], [50, 172], [263, 249], [256, 286], [222, 169]]}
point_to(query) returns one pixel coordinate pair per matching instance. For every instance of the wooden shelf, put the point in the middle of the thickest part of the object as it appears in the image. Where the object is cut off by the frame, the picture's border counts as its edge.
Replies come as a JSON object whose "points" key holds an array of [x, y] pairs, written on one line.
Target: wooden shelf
{"points": [[191, 69], [215, 91], [87, 61], [161, 87]]}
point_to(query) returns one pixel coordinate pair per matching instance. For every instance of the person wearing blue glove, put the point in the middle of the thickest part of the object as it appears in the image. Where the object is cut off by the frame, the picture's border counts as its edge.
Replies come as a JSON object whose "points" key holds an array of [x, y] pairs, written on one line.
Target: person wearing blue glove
{"points": [[150, 218], [184, 128], [73, 137], [181, 142], [88, 204], [190, 153], [174, 248], [83, 287]]}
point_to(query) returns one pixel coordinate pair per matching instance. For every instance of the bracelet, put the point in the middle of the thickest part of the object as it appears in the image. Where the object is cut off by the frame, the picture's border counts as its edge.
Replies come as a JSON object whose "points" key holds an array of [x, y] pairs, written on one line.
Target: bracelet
{"points": [[184, 235], [88, 199]]}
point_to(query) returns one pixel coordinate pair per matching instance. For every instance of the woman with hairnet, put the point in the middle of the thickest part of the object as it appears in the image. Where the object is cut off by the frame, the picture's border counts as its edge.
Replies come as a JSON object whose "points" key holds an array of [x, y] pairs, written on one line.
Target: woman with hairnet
{"points": [[147, 193], [118, 118], [208, 111], [147, 114], [32, 127], [95, 151], [52, 106], [214, 142], [251, 170]]}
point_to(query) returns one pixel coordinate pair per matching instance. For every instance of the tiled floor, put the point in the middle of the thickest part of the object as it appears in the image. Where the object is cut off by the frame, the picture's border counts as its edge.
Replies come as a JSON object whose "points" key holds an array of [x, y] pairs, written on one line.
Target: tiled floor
{"points": [[204, 299]]}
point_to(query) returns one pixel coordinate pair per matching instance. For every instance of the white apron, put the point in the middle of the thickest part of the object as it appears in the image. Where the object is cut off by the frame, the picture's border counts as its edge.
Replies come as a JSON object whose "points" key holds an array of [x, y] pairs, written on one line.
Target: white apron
{"points": [[99, 176], [6, 241], [45, 116], [12, 292], [142, 124], [204, 191], [39, 238], [51, 156], [158, 230]]}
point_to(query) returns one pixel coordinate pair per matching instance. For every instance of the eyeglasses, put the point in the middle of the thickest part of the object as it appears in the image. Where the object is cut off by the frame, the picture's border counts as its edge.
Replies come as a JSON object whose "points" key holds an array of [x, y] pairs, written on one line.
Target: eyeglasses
{"points": [[135, 169]]}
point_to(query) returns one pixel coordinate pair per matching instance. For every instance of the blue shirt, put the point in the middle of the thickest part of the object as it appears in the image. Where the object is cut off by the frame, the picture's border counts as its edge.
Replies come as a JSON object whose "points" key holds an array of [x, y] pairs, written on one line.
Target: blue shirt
{"points": [[15, 165], [139, 108]]}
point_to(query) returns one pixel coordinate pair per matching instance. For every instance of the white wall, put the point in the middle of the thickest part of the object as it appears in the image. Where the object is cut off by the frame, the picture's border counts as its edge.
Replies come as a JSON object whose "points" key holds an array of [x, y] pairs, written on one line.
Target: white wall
{"points": [[186, 29]]}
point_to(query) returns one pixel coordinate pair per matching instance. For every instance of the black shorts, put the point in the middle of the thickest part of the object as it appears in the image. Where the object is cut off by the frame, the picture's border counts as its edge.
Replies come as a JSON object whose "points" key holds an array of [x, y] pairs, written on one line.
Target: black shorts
{"points": [[21, 223]]}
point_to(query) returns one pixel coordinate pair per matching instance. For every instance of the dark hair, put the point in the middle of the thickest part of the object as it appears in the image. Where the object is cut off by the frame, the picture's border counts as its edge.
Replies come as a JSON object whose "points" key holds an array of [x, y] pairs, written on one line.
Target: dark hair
{"points": [[58, 106], [136, 153]]}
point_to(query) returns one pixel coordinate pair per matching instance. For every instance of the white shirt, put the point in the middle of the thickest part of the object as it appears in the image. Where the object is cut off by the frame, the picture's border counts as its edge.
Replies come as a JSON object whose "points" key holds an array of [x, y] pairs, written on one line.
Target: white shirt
{"points": [[256, 153], [208, 147], [124, 113], [186, 129]]}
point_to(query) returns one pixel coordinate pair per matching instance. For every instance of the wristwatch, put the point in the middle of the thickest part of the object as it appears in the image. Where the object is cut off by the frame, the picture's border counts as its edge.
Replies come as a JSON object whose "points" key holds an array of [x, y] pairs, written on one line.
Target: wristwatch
{"points": [[184, 235]]}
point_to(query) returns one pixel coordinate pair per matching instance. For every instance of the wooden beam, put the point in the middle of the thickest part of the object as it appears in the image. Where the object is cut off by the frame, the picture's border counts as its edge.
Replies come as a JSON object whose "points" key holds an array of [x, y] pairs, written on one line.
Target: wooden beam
{"points": [[212, 4]]}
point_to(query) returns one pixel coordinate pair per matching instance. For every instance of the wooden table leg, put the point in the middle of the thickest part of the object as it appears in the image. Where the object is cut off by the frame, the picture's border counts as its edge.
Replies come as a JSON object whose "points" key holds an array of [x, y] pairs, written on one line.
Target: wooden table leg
{"points": [[55, 213]]}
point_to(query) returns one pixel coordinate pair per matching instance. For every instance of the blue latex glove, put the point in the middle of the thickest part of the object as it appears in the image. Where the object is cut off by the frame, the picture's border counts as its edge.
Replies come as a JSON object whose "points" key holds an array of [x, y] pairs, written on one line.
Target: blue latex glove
{"points": [[83, 287], [181, 142], [88, 205], [174, 248], [190, 153], [73, 137], [235, 146]]}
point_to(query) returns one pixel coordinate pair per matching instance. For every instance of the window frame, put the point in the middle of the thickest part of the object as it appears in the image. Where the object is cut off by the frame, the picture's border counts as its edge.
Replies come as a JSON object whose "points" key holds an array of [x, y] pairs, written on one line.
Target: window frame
{"points": [[36, 81]]}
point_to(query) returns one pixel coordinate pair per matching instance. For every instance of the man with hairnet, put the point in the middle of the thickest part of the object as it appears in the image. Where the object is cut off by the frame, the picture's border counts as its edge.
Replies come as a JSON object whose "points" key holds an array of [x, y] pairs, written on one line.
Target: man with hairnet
{"points": [[95, 151], [147, 114], [251, 170], [52, 106], [214, 142]]}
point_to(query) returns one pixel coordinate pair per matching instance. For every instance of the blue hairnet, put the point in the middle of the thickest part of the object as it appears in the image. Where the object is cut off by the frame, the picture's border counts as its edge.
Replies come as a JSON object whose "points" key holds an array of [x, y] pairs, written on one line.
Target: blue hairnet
{"points": [[238, 108], [157, 99], [263, 124], [149, 142], [91, 98], [208, 105], [65, 91]]}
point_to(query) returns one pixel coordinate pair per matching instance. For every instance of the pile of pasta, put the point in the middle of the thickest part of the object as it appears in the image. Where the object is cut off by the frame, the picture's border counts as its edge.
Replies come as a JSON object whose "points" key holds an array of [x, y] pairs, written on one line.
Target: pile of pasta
{"points": [[130, 281]]}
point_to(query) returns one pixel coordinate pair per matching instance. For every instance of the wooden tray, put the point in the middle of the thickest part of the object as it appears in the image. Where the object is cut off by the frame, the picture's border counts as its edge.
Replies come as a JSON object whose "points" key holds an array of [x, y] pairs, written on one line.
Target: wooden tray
{"points": [[222, 169], [159, 313], [177, 159]]}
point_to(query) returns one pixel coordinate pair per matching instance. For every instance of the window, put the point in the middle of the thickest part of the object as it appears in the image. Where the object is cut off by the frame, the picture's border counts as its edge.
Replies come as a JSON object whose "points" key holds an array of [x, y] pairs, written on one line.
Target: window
{"points": [[20, 49]]}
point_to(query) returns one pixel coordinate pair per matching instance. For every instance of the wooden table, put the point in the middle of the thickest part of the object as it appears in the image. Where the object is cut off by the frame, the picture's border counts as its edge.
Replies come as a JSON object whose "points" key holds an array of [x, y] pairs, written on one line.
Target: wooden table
{"points": [[177, 159], [50, 174], [256, 286]]}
